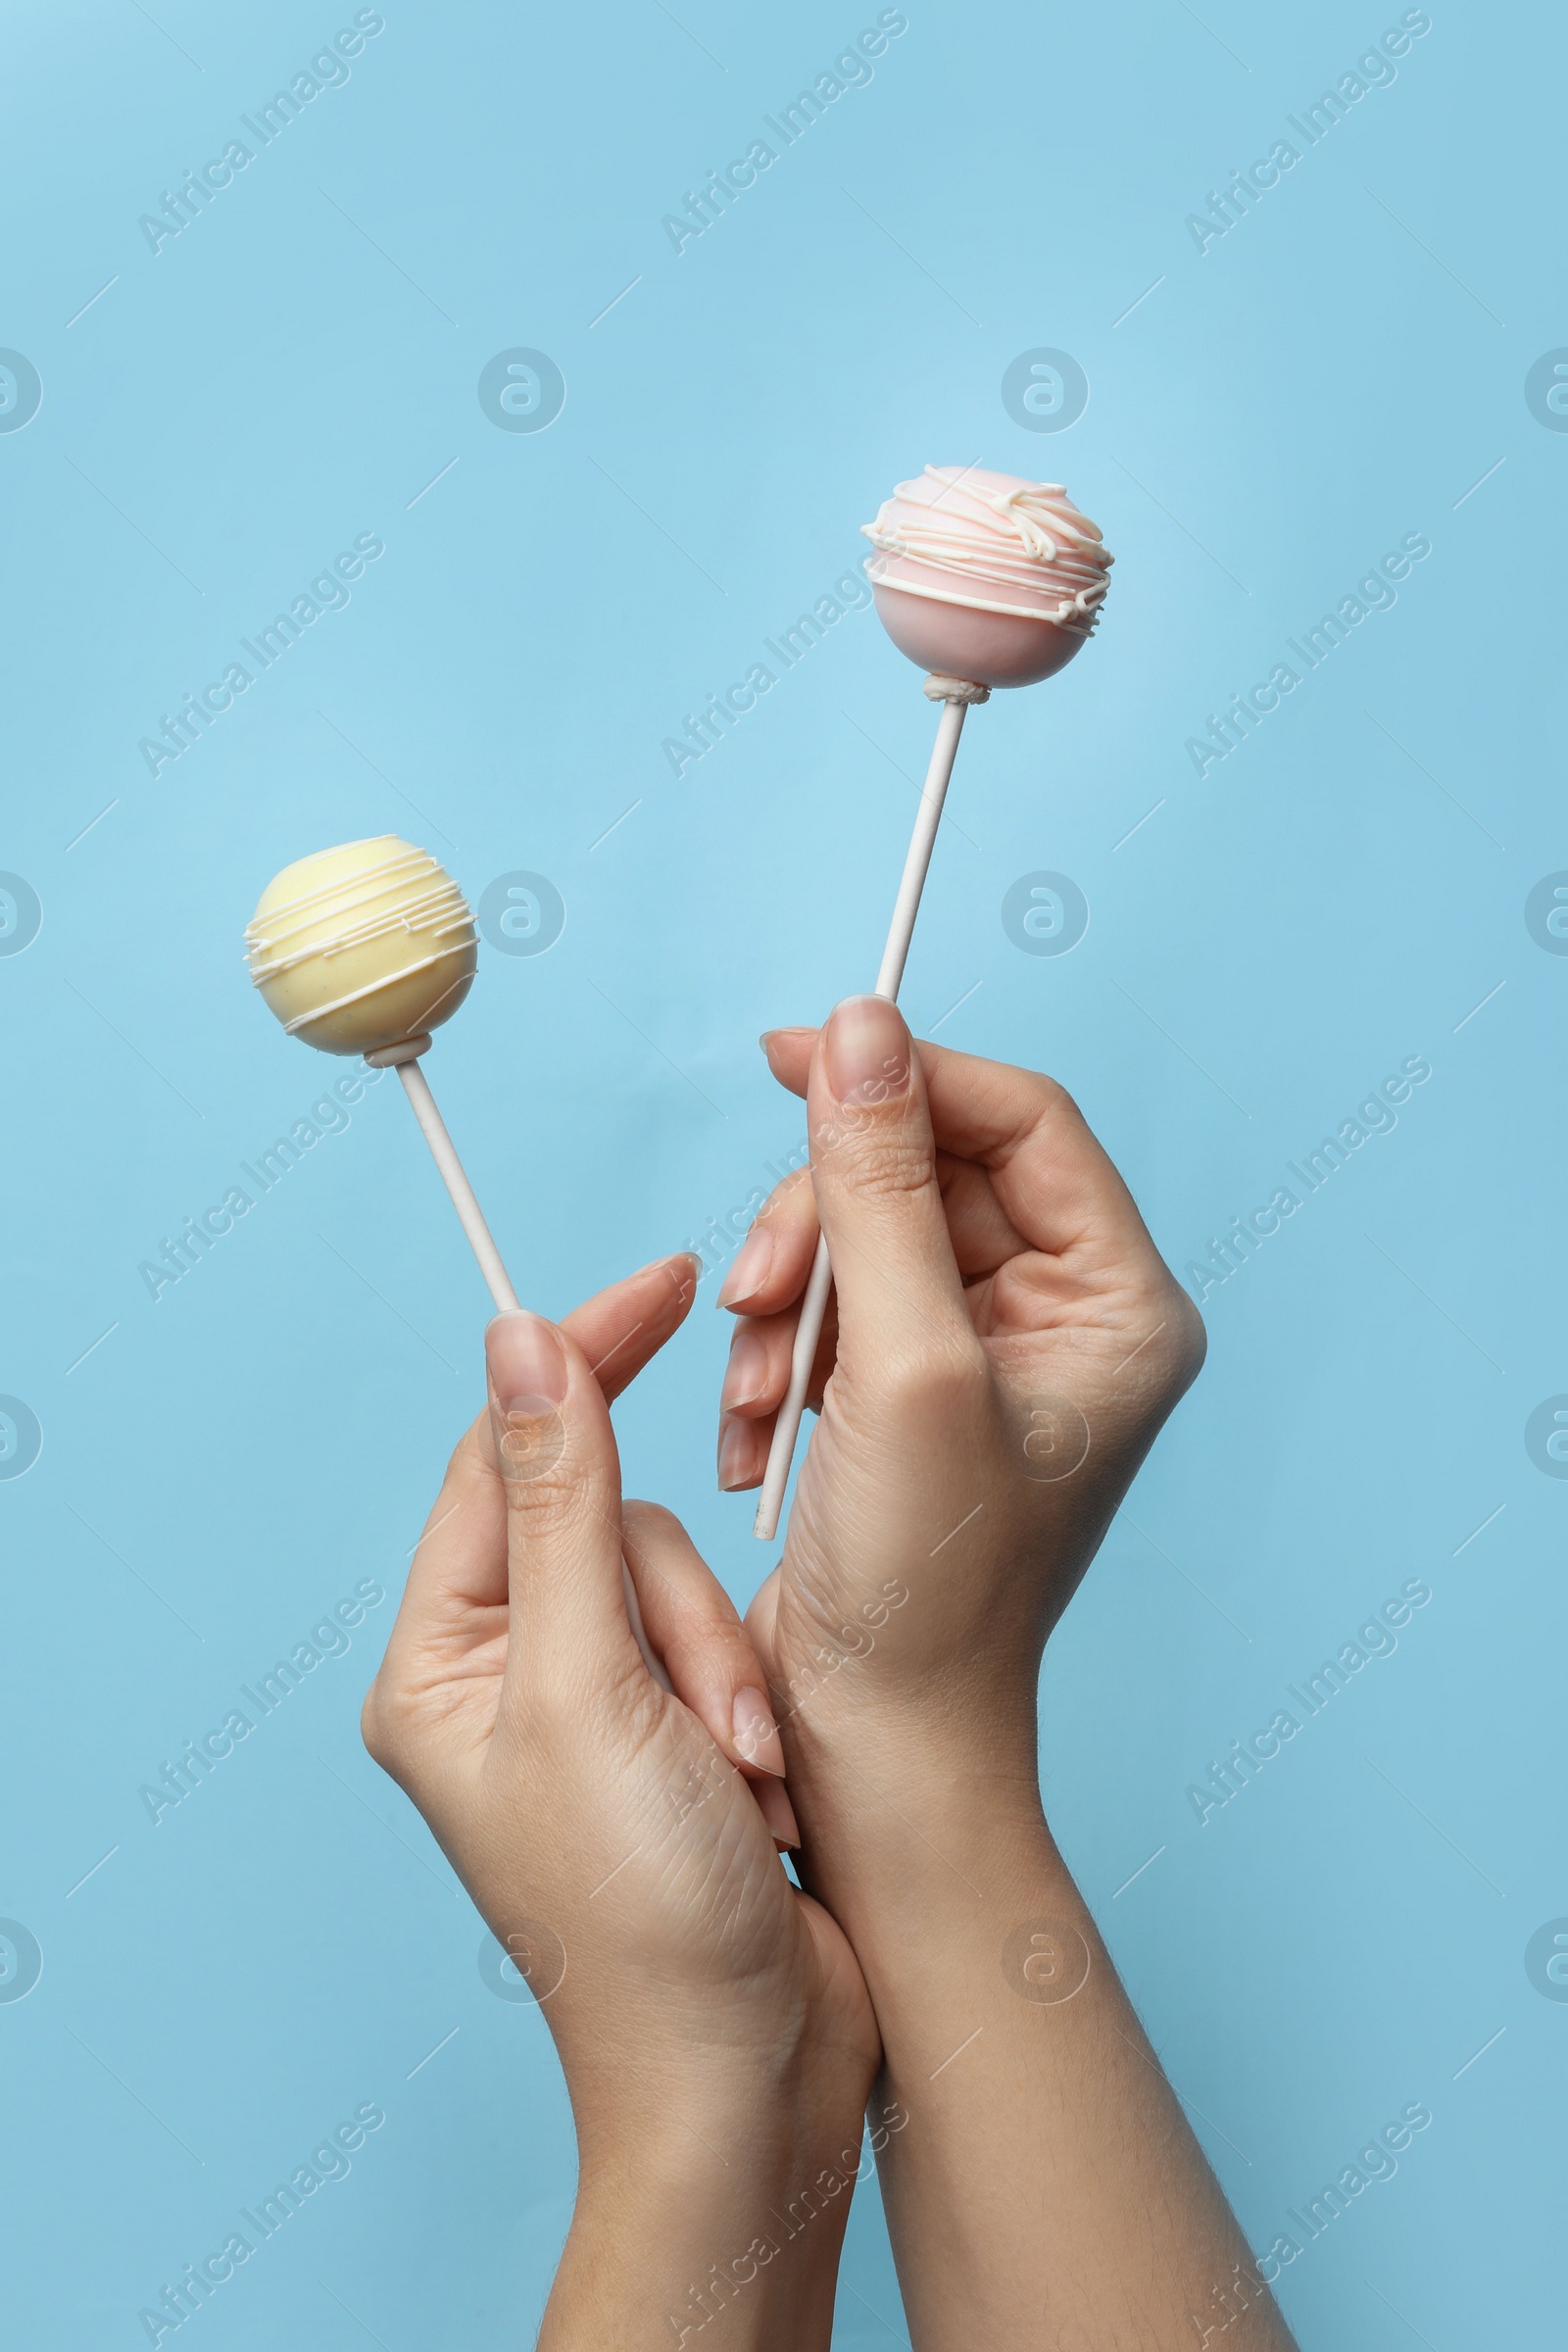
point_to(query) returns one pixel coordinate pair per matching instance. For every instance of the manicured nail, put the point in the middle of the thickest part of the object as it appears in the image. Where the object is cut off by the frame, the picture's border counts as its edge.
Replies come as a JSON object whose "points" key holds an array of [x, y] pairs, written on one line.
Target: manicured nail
{"points": [[747, 1369], [750, 1270], [734, 1455], [685, 1271], [527, 1363], [868, 1050], [676, 1265], [778, 1813], [757, 1738]]}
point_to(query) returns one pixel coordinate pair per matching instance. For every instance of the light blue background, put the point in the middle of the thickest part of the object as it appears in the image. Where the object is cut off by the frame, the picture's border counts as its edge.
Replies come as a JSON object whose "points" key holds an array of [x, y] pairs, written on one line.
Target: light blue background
{"points": [[1336, 371]]}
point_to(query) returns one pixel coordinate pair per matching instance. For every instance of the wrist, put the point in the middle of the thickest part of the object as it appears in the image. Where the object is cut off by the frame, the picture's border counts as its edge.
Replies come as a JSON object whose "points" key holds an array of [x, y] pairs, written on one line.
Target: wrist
{"points": [[928, 1848], [752, 2084], [959, 1716], [880, 1780], [694, 2208], [659, 2136]]}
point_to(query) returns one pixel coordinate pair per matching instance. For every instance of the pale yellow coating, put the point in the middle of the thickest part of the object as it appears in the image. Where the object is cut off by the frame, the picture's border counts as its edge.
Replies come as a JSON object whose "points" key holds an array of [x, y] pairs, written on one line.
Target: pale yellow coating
{"points": [[363, 945]]}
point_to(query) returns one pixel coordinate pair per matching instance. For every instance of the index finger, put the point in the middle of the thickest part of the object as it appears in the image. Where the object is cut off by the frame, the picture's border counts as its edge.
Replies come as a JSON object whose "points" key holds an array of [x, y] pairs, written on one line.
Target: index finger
{"points": [[1055, 1182], [622, 1329], [459, 1562]]}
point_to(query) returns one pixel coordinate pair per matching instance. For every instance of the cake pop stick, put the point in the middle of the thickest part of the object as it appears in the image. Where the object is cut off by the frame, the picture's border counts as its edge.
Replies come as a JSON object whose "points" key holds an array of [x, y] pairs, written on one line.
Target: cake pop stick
{"points": [[989, 580], [405, 1059], [364, 950], [956, 696]]}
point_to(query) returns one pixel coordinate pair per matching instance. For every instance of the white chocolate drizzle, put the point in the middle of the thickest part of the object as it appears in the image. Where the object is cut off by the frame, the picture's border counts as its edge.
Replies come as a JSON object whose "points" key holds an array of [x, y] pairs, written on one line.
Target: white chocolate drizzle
{"points": [[1028, 538], [354, 906]]}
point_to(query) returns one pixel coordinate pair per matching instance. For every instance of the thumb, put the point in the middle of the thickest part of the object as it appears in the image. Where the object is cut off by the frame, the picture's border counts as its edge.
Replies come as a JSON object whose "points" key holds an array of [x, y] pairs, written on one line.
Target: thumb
{"points": [[556, 1452], [873, 1169]]}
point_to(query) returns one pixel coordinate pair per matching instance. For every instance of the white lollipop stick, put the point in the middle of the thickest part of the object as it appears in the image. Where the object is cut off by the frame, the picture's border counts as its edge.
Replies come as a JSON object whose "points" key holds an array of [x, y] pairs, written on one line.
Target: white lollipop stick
{"points": [[955, 695], [405, 1059]]}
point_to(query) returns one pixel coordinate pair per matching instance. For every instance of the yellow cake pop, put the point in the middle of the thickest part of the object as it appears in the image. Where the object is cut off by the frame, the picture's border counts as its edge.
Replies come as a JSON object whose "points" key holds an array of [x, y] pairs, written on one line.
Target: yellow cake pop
{"points": [[364, 950], [363, 946]]}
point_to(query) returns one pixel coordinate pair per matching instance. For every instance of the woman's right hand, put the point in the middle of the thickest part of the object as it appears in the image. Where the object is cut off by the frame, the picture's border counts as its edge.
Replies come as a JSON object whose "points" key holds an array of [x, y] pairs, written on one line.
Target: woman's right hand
{"points": [[1007, 1343]]}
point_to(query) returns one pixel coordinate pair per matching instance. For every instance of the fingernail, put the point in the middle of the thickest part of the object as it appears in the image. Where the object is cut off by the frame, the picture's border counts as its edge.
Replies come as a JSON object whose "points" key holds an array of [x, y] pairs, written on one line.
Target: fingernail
{"points": [[868, 1050], [757, 1737], [793, 1029], [685, 1270], [669, 1265], [527, 1363], [746, 1371], [777, 1812], [734, 1455], [749, 1271]]}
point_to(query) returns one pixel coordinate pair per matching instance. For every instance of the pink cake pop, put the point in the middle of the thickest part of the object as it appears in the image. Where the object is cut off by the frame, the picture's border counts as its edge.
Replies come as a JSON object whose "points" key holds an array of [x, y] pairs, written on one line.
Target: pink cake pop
{"points": [[986, 581], [984, 576]]}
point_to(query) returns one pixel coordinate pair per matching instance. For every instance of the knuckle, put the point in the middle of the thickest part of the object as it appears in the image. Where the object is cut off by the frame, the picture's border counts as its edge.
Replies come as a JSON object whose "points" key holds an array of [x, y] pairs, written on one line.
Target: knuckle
{"points": [[650, 1521], [1160, 1370], [881, 1157], [1038, 1100], [1184, 1335], [1053, 1098], [1192, 1336], [939, 1383], [788, 1200], [541, 1511], [379, 1728], [554, 1510]]}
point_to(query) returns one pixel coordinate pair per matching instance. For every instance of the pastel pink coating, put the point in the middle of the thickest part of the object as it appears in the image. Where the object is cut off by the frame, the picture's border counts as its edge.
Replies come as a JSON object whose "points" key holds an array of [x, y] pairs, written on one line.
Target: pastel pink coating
{"points": [[986, 575]]}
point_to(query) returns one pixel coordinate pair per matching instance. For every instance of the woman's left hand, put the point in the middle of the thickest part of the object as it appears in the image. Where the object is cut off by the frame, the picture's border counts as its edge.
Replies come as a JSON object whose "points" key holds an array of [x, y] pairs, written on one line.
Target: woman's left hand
{"points": [[714, 2028]]}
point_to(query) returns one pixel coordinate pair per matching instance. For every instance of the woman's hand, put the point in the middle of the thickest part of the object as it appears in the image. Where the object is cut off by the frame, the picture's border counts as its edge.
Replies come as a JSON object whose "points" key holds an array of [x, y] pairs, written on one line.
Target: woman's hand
{"points": [[1007, 1344], [714, 2028]]}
